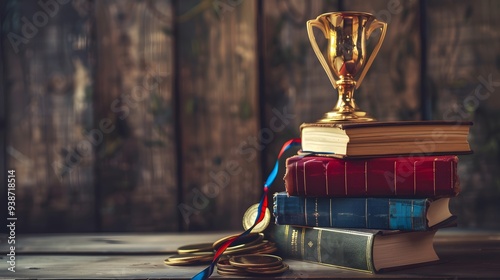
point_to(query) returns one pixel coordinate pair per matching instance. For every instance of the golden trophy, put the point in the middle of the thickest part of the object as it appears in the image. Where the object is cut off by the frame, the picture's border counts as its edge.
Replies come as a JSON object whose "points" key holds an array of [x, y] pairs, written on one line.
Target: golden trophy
{"points": [[346, 60]]}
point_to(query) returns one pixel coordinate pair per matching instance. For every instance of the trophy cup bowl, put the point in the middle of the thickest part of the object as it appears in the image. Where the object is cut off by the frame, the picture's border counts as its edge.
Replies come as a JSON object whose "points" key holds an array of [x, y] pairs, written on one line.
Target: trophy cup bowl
{"points": [[346, 61]]}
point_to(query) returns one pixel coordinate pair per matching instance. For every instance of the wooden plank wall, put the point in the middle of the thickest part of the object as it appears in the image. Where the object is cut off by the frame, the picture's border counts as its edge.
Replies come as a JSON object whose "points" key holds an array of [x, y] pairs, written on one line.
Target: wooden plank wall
{"points": [[47, 79], [218, 112], [125, 115], [135, 163], [90, 117]]}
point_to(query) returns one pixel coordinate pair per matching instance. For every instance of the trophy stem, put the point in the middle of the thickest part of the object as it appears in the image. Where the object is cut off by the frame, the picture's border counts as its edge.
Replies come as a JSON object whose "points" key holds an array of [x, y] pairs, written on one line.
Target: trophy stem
{"points": [[345, 103], [346, 109]]}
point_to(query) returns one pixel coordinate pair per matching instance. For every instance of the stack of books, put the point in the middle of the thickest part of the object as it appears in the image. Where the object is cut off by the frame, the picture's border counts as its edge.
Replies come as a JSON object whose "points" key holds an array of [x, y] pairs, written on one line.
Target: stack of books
{"points": [[369, 196]]}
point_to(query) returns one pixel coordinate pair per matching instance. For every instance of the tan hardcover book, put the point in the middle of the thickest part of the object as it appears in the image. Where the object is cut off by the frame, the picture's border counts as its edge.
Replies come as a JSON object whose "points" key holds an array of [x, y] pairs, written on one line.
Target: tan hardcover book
{"points": [[386, 138]]}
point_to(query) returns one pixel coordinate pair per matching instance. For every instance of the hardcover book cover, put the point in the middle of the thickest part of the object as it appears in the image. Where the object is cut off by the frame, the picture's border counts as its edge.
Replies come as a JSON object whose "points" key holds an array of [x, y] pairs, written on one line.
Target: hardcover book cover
{"points": [[352, 139], [418, 214], [362, 250], [416, 176]]}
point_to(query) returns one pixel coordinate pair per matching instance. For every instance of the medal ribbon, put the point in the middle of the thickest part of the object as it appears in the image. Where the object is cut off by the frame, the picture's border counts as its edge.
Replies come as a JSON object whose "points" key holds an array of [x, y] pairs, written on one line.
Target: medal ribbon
{"points": [[205, 274]]}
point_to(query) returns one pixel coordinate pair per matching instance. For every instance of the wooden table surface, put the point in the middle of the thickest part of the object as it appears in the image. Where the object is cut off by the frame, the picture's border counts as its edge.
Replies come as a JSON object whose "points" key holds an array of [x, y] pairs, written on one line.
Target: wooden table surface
{"points": [[464, 255]]}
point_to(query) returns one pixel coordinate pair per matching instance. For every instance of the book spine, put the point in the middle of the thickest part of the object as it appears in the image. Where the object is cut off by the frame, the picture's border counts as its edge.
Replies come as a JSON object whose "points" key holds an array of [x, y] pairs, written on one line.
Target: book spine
{"points": [[424, 176], [346, 249], [371, 213]]}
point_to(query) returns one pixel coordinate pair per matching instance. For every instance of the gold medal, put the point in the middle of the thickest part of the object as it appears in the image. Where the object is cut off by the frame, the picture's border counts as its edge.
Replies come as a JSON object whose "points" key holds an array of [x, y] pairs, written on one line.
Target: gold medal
{"points": [[195, 248], [251, 264], [271, 271], [255, 260], [267, 249], [231, 269], [251, 248], [240, 242], [232, 273], [265, 269], [189, 258], [250, 216], [224, 263]]}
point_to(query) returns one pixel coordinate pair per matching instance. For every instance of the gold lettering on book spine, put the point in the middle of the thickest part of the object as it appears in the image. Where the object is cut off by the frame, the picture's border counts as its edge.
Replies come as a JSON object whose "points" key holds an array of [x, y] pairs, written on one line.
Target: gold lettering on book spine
{"points": [[294, 242], [316, 213]]}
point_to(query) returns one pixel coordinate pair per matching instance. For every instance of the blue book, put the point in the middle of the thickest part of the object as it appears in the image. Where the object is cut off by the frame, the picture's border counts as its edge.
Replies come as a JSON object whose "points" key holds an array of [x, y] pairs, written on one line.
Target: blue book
{"points": [[418, 214]]}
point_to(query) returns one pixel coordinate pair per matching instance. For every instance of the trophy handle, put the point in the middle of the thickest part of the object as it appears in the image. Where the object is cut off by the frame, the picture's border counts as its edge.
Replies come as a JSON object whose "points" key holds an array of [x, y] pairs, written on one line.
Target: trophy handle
{"points": [[374, 25], [316, 23]]}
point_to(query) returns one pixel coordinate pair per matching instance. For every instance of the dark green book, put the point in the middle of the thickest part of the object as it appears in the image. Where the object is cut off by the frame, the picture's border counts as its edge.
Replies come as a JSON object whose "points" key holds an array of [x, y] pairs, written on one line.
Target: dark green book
{"points": [[361, 250]]}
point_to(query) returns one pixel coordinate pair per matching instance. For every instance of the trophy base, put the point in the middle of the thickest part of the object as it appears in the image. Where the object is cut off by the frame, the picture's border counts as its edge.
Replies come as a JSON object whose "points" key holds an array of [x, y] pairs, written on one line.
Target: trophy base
{"points": [[336, 116]]}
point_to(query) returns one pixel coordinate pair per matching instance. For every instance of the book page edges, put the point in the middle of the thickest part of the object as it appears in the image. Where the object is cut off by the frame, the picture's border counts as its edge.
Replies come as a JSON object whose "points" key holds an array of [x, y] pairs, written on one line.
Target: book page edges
{"points": [[438, 211], [403, 250]]}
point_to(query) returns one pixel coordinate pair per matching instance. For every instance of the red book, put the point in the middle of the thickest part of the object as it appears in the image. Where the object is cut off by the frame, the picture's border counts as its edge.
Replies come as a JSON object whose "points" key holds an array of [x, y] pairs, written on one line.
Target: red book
{"points": [[416, 176]]}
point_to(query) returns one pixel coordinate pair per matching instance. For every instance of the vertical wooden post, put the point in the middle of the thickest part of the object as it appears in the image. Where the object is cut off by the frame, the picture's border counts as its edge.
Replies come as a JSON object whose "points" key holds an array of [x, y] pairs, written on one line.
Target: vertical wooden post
{"points": [[218, 111], [135, 166], [47, 112], [425, 95]]}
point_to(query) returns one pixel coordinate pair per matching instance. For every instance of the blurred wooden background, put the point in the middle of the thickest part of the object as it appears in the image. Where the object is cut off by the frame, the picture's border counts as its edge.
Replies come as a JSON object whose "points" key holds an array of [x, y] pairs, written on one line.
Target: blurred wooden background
{"points": [[149, 115]]}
